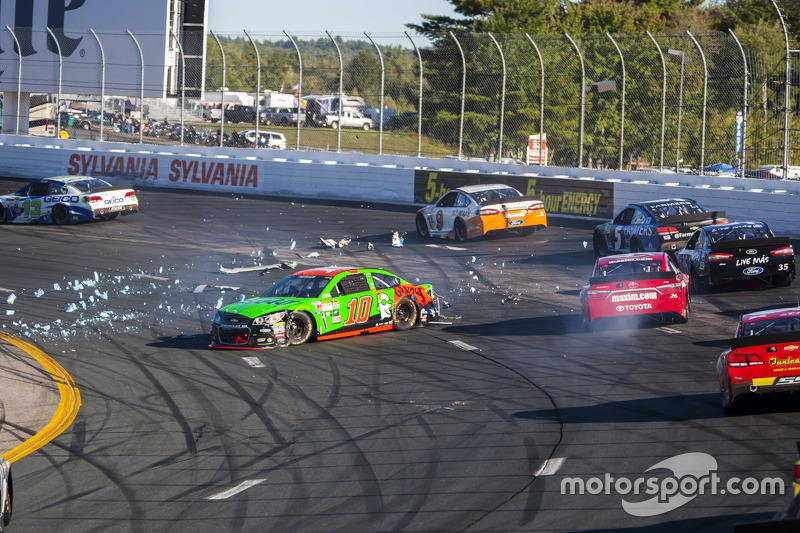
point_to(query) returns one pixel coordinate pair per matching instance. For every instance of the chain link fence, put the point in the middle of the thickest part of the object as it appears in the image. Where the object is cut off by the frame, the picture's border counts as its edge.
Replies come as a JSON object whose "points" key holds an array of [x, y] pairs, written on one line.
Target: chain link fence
{"points": [[672, 101]]}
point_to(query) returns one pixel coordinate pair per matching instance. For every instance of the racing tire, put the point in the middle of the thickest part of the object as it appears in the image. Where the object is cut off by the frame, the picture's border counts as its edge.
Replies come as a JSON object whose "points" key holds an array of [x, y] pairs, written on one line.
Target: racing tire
{"points": [[299, 328], [3, 215], [636, 246], [365, 127], [111, 216], [405, 314], [600, 245], [8, 504], [460, 230], [778, 280], [697, 284], [61, 215], [422, 227], [587, 324]]}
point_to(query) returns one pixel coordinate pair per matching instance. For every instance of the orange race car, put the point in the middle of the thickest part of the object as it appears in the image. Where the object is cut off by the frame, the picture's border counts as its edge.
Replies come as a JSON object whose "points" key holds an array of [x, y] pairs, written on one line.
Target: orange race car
{"points": [[475, 210]]}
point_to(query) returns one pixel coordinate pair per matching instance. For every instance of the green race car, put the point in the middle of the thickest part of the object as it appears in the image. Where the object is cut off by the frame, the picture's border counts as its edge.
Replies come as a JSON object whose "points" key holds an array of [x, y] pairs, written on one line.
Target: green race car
{"points": [[325, 303]]}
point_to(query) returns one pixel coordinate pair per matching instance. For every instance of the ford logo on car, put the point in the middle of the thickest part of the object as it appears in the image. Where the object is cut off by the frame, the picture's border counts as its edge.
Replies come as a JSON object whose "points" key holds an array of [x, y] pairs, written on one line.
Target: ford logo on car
{"points": [[515, 222], [752, 271], [751, 251]]}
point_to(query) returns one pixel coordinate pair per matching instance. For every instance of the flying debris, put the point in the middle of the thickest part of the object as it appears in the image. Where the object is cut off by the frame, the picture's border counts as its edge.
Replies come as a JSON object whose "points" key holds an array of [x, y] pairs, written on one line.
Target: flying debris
{"points": [[397, 239]]}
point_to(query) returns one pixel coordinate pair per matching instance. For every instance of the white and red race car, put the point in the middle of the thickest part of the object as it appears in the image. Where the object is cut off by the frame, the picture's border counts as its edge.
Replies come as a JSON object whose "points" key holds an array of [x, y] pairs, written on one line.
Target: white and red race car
{"points": [[645, 283], [471, 211]]}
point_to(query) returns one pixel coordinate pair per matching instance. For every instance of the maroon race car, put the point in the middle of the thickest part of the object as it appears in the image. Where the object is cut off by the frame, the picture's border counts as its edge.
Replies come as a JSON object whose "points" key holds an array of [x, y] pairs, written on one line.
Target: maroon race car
{"points": [[647, 283], [764, 357]]}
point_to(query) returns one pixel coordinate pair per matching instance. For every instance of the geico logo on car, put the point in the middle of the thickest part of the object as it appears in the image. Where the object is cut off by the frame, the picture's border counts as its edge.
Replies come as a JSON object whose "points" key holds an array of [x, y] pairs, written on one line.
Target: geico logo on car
{"points": [[114, 201], [62, 199], [633, 296]]}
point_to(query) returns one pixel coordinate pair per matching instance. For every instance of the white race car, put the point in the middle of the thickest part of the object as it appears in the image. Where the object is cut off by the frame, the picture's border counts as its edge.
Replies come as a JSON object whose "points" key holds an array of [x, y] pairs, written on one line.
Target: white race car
{"points": [[475, 210], [66, 200], [6, 493]]}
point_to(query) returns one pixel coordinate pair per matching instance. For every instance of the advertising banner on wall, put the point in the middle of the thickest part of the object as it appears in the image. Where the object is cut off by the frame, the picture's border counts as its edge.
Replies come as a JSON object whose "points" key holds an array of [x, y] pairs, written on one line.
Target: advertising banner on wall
{"points": [[561, 196], [104, 62]]}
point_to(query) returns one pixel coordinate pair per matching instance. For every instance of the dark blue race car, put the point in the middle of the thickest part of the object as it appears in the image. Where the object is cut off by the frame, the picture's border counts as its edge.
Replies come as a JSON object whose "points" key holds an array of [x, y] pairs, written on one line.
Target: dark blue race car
{"points": [[655, 226]]}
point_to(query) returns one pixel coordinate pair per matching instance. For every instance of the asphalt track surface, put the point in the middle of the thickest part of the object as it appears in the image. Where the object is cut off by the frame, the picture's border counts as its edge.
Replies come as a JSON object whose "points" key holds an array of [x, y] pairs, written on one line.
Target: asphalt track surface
{"points": [[440, 428]]}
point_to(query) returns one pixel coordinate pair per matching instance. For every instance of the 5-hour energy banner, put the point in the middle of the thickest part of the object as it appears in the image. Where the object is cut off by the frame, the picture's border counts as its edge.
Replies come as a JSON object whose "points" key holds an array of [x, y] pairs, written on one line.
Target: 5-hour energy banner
{"points": [[561, 196]]}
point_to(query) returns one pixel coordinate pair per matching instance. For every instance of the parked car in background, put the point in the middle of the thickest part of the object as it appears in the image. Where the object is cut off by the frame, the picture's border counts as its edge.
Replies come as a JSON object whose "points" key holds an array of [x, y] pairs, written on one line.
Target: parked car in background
{"points": [[266, 139], [240, 113], [350, 119], [281, 116]]}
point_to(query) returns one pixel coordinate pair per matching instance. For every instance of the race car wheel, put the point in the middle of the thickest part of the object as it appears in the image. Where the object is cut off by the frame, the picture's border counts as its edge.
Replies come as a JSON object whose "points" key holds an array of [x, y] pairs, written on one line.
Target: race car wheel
{"points": [[636, 246], [600, 245], [697, 284], [422, 226], [778, 280], [527, 230], [405, 314], [3, 216], [111, 216], [460, 230], [61, 215], [299, 328]]}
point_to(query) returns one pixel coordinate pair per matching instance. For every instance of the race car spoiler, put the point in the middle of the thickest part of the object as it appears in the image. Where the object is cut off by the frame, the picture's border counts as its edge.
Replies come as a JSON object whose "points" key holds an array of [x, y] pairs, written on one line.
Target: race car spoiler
{"points": [[511, 200], [112, 188], [750, 243], [769, 338], [714, 216], [637, 276]]}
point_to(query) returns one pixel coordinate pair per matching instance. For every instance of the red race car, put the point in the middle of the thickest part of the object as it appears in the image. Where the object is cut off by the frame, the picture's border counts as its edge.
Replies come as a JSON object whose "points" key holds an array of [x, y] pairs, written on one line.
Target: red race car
{"points": [[647, 283], [764, 356]]}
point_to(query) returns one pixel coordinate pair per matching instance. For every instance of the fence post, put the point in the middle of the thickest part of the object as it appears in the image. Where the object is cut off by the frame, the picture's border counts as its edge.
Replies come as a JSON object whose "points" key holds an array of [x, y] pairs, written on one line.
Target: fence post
{"points": [[60, 70], [463, 92], [419, 104], [541, 101], [583, 103], [141, 88], [19, 77], [222, 91], [183, 80], [744, 103], [502, 97], [341, 103], [705, 94], [787, 92], [380, 124], [622, 105], [663, 98], [102, 81], [258, 86], [299, 87]]}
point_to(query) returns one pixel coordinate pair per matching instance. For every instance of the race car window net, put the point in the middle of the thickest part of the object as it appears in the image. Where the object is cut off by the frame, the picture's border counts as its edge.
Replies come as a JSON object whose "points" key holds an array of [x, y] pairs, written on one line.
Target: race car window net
{"points": [[448, 200], [739, 233], [629, 267], [785, 324], [384, 281], [354, 283], [672, 209], [297, 287], [494, 194]]}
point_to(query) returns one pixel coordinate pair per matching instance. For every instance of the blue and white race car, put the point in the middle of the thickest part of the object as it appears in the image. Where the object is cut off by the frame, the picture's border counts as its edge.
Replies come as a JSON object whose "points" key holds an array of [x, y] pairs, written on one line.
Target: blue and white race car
{"points": [[66, 200], [654, 226]]}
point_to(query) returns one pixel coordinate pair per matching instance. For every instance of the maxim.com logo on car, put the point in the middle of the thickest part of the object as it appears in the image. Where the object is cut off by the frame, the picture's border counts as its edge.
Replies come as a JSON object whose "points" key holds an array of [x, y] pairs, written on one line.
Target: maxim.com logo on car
{"points": [[693, 474]]}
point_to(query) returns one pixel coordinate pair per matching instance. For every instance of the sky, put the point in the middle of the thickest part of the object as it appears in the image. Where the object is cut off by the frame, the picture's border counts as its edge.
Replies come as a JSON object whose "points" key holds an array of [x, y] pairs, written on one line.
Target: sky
{"points": [[337, 16]]}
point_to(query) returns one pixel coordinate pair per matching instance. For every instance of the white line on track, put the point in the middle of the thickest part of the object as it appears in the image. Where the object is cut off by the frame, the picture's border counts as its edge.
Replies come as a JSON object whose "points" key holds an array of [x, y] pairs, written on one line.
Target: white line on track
{"points": [[463, 345], [244, 485], [255, 362], [6, 290], [671, 331], [455, 248], [551, 466]]}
